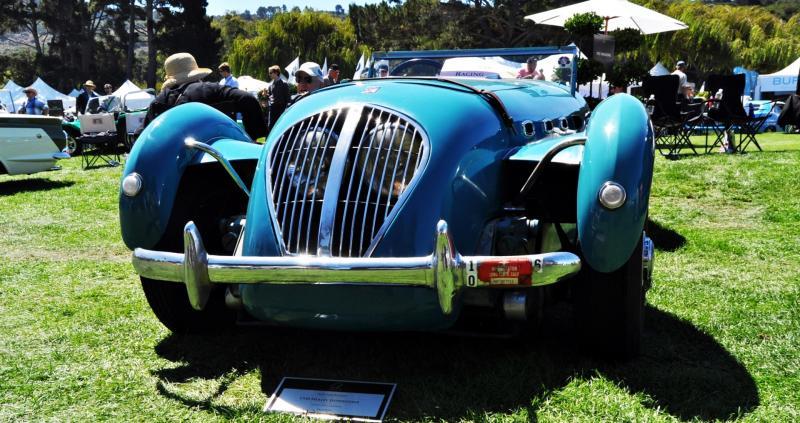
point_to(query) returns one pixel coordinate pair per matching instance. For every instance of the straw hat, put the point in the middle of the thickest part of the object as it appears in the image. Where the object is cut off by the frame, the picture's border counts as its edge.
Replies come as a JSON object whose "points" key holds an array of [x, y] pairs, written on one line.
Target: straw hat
{"points": [[89, 83], [30, 90], [181, 68]]}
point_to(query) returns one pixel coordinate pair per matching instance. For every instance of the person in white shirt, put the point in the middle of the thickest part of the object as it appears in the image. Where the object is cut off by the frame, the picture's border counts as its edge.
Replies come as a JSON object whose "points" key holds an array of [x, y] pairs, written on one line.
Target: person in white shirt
{"points": [[680, 69], [228, 80]]}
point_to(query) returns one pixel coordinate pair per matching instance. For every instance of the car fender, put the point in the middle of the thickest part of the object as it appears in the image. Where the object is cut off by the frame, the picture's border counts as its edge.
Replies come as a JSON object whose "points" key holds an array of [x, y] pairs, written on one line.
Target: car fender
{"points": [[619, 148], [160, 158]]}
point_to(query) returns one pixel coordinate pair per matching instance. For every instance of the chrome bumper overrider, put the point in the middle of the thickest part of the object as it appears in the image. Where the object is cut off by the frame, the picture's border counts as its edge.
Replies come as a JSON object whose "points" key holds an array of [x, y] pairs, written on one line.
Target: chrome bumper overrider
{"points": [[445, 270]]}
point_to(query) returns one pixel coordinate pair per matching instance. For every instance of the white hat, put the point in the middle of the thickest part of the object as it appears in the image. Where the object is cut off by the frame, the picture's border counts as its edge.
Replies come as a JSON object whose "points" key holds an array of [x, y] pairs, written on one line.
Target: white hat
{"points": [[181, 68], [311, 69]]}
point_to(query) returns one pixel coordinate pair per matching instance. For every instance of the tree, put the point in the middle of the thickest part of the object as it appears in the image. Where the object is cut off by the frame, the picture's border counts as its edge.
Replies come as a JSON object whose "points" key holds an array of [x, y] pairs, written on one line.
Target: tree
{"points": [[24, 15], [262, 12], [185, 27], [310, 35], [339, 10]]}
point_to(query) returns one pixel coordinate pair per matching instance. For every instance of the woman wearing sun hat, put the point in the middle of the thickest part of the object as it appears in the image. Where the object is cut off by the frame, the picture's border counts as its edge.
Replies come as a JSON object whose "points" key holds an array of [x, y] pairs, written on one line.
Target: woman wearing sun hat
{"points": [[184, 84]]}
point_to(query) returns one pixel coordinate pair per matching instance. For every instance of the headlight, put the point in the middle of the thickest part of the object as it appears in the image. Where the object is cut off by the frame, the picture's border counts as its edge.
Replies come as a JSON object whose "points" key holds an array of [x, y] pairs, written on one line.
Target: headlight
{"points": [[132, 184], [612, 195]]}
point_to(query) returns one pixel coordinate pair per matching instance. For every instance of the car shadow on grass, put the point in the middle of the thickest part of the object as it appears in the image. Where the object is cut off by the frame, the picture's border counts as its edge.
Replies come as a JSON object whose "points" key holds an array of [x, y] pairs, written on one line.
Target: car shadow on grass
{"points": [[664, 239], [683, 371], [31, 185]]}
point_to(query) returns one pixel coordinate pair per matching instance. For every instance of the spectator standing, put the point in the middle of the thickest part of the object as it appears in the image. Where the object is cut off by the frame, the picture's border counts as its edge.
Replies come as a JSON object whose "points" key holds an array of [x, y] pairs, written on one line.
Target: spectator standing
{"points": [[184, 84], [228, 80], [529, 70], [333, 76], [33, 105], [277, 95], [84, 96], [108, 89], [680, 69]]}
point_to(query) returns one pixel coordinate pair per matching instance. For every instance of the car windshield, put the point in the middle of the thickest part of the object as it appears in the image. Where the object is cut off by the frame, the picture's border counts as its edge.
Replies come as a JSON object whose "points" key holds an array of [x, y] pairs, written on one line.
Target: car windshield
{"points": [[555, 64], [103, 104]]}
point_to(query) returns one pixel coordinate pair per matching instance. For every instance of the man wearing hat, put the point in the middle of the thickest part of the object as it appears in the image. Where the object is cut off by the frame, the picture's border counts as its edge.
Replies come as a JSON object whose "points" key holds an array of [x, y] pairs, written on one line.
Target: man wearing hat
{"points": [[333, 76], [680, 69], [84, 96], [184, 84], [308, 78], [33, 106]]}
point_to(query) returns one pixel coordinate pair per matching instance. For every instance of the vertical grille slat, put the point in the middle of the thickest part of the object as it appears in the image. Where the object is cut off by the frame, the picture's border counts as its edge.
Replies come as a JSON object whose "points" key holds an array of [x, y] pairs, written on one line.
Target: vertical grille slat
{"points": [[377, 155], [305, 147], [309, 222]]}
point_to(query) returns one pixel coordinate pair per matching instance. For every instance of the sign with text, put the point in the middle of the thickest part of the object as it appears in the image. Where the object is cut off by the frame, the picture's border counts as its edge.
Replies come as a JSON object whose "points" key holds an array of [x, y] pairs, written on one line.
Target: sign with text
{"points": [[332, 399]]}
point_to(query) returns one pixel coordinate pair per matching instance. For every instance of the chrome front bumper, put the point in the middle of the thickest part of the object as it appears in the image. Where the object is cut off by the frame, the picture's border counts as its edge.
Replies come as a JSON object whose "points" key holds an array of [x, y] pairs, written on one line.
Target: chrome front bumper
{"points": [[444, 270]]}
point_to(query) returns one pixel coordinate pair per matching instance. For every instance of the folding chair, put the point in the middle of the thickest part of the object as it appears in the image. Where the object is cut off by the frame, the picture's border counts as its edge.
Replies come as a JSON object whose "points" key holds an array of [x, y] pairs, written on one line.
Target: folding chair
{"points": [[672, 123], [98, 140], [728, 112], [752, 126]]}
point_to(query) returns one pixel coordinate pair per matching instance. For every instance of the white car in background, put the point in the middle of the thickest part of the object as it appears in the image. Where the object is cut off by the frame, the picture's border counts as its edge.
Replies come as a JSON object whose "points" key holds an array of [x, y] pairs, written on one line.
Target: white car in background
{"points": [[30, 144]]}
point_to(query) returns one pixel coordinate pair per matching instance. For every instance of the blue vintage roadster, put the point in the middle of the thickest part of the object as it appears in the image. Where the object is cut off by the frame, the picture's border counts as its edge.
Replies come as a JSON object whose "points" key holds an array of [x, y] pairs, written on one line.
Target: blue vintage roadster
{"points": [[401, 203]]}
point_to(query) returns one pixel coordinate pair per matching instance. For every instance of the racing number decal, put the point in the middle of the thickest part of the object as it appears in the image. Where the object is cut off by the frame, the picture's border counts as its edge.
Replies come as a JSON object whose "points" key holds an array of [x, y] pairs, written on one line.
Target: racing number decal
{"points": [[472, 273]]}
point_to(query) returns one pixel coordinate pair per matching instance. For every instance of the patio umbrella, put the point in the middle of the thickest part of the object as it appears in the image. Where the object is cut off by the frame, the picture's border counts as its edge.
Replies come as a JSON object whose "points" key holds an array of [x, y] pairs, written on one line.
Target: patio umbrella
{"points": [[618, 14]]}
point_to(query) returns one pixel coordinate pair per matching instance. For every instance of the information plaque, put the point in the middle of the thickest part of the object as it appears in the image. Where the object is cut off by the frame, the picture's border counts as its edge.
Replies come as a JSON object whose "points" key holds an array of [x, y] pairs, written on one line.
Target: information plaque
{"points": [[332, 399]]}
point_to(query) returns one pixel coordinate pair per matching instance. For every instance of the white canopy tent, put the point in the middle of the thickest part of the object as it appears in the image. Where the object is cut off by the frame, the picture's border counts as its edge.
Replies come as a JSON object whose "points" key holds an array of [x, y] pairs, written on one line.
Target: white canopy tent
{"points": [[618, 14], [74, 93], [659, 70], [252, 85], [13, 88], [783, 81], [135, 98], [46, 92]]}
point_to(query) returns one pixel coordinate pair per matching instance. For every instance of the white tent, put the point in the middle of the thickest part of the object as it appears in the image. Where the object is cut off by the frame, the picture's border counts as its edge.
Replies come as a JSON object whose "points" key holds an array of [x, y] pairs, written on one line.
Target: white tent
{"points": [[252, 85], [659, 70], [783, 81], [125, 88], [74, 93], [135, 98], [13, 88], [46, 92]]}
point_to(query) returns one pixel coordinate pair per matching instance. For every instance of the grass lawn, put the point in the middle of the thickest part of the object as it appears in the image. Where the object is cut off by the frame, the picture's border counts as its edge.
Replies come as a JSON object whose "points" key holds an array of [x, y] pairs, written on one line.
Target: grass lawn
{"points": [[78, 341]]}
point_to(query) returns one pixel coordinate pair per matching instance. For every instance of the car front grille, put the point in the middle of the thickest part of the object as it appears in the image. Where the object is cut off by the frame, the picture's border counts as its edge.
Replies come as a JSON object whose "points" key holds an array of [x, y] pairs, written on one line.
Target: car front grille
{"points": [[336, 177]]}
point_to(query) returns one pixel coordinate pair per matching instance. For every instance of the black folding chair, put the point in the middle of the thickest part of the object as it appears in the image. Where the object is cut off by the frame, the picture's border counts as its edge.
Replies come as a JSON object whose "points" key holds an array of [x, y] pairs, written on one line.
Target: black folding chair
{"points": [[672, 121], [728, 113], [99, 140]]}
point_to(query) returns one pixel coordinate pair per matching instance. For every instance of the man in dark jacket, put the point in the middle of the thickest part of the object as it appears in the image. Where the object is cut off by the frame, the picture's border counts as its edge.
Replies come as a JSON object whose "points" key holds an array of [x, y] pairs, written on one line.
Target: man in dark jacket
{"points": [[184, 85], [278, 92], [84, 96]]}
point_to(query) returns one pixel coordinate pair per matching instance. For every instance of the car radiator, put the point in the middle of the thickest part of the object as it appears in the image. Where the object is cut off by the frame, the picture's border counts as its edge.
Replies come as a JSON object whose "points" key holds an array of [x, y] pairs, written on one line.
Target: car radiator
{"points": [[336, 177]]}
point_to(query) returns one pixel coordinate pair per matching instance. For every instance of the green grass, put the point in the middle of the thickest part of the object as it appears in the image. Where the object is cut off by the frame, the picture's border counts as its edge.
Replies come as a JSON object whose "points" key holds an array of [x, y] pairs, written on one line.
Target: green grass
{"points": [[722, 341]]}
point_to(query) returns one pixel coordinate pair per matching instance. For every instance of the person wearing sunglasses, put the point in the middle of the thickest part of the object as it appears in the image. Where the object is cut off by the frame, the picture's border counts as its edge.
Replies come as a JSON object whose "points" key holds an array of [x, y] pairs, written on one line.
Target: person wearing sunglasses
{"points": [[309, 78]]}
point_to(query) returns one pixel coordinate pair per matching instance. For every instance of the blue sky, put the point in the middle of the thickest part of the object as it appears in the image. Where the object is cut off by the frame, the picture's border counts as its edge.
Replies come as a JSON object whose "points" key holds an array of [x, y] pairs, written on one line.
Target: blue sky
{"points": [[218, 7]]}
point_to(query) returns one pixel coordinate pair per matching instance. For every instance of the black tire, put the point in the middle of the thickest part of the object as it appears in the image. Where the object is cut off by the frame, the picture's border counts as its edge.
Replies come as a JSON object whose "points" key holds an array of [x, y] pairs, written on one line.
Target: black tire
{"points": [[609, 309], [170, 303], [73, 147]]}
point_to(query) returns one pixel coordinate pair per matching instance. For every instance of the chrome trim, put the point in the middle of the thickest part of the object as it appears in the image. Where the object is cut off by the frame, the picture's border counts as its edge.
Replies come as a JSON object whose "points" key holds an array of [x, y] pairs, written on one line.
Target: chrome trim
{"points": [[445, 270], [569, 141], [648, 259], [61, 155], [528, 128], [137, 184], [335, 175], [359, 140], [607, 205], [191, 143], [563, 124]]}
